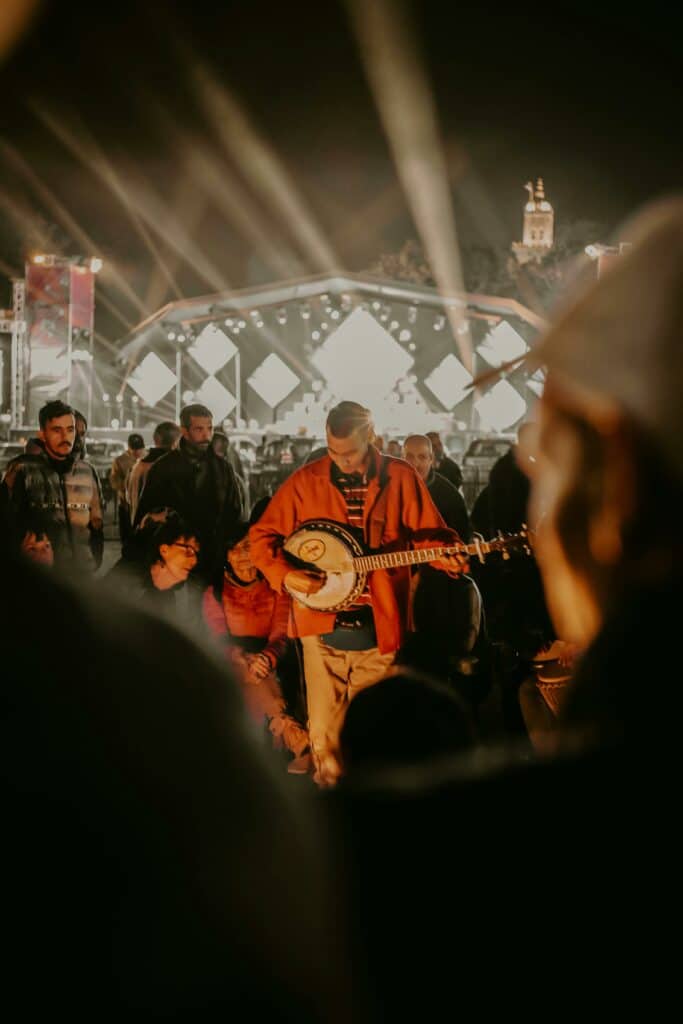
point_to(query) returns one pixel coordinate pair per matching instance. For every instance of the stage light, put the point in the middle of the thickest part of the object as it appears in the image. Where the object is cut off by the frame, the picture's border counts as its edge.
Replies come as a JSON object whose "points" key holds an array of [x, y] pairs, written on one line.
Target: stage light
{"points": [[439, 322], [376, 305], [241, 324], [212, 349], [151, 379], [346, 302], [115, 424], [335, 314], [96, 264], [40, 258], [135, 399], [188, 396], [317, 385], [229, 321], [500, 407], [361, 358], [315, 335], [215, 397], [384, 315], [394, 325], [412, 346], [171, 335], [273, 380], [105, 397], [119, 398], [449, 381], [181, 338], [324, 326], [502, 344], [282, 315], [405, 335], [412, 314], [305, 311]]}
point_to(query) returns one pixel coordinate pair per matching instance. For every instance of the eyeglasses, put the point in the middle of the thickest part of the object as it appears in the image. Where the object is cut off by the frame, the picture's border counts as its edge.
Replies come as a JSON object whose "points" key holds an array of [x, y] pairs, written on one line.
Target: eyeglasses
{"points": [[187, 547]]}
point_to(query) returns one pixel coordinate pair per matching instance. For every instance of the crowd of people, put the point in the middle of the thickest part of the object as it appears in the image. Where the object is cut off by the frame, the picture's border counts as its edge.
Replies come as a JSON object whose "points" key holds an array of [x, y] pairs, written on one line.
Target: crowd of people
{"points": [[222, 882]]}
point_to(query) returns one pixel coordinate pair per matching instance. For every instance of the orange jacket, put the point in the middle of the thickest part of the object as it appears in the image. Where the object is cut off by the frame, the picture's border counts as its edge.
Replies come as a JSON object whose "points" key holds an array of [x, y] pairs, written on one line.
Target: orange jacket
{"points": [[310, 494]]}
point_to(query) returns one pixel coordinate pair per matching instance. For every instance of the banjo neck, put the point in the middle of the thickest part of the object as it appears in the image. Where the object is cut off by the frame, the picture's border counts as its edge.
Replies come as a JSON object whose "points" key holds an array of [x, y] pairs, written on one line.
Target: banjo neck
{"points": [[419, 556]]}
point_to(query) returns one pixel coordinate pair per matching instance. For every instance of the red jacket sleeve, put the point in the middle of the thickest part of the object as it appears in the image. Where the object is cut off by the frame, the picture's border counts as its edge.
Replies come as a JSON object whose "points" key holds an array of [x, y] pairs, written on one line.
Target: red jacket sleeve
{"points": [[267, 535], [212, 610]]}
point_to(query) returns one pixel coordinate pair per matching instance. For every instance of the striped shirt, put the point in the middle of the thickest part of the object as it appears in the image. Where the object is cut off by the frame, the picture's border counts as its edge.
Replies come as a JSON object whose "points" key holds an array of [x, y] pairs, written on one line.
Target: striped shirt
{"points": [[354, 489]]}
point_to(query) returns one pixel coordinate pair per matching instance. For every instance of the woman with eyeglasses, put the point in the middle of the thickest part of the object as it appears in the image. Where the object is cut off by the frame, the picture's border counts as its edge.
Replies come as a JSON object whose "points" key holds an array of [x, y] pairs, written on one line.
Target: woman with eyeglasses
{"points": [[158, 560]]}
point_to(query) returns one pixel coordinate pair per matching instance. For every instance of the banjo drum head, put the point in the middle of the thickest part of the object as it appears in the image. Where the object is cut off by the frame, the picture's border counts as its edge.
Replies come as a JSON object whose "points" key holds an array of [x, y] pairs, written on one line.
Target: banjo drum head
{"points": [[324, 544]]}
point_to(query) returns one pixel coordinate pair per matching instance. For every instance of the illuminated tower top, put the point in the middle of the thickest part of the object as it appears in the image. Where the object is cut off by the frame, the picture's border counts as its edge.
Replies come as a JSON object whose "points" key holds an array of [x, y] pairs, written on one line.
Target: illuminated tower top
{"points": [[539, 225]]}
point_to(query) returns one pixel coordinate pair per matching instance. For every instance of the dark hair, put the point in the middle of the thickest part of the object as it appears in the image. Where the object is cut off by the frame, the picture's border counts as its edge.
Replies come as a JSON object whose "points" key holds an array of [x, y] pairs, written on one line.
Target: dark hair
{"points": [[406, 718], [158, 527], [166, 434], [348, 417], [189, 411], [81, 417], [136, 441], [53, 410]]}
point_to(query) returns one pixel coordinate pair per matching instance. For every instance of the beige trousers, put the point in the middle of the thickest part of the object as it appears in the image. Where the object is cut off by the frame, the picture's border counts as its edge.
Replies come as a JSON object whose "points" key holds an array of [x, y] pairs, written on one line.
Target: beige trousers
{"points": [[333, 678]]}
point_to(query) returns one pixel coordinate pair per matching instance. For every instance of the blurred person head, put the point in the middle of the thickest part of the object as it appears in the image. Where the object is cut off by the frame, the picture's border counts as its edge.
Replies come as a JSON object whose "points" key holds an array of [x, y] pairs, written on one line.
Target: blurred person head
{"points": [[394, 448], [238, 553], [607, 482], [79, 448], [166, 435], [57, 429], [136, 445], [406, 718], [196, 426], [349, 431], [437, 444], [417, 451], [169, 548], [220, 444]]}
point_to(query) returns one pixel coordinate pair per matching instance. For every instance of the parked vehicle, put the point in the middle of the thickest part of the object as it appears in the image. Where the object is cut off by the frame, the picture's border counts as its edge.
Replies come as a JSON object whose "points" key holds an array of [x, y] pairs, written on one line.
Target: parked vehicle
{"points": [[275, 459], [477, 463]]}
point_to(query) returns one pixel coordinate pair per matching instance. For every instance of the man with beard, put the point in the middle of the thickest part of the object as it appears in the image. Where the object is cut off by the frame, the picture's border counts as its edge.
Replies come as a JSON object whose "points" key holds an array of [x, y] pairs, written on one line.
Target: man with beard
{"points": [[48, 479], [200, 486]]}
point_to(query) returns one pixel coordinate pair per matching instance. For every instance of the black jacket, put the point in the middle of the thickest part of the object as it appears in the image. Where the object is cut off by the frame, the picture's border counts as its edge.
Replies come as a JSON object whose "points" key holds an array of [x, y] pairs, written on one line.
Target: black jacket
{"points": [[450, 470], [450, 503], [204, 492]]}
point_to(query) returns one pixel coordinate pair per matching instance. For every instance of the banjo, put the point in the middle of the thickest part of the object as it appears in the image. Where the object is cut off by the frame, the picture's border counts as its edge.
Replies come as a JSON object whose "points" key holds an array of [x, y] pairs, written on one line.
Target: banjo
{"points": [[323, 544]]}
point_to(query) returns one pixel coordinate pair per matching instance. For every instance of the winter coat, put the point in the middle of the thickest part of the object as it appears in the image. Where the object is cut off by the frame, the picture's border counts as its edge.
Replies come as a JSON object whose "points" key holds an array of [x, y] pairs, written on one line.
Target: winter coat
{"points": [[68, 491], [137, 478], [310, 494], [204, 492], [118, 474], [450, 504]]}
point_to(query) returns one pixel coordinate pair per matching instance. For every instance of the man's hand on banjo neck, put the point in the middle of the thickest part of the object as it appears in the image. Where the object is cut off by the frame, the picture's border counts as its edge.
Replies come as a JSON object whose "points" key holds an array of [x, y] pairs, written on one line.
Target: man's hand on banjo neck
{"points": [[306, 581]]}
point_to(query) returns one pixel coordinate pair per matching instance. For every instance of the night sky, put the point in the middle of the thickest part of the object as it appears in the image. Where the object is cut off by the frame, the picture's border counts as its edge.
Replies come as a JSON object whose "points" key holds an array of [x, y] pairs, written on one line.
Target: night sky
{"points": [[589, 100]]}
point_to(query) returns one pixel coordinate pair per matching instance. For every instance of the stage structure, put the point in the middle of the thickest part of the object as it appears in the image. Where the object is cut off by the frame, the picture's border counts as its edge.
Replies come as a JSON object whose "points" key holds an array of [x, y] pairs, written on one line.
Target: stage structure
{"points": [[275, 358], [52, 336]]}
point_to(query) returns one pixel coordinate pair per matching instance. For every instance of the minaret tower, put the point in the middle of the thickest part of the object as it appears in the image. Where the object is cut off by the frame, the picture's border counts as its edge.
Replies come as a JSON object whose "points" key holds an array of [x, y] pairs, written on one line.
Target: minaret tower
{"points": [[539, 225]]}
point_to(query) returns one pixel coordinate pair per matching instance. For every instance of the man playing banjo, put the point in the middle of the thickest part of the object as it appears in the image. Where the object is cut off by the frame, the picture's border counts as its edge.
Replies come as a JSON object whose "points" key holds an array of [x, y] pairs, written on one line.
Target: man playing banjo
{"points": [[378, 502]]}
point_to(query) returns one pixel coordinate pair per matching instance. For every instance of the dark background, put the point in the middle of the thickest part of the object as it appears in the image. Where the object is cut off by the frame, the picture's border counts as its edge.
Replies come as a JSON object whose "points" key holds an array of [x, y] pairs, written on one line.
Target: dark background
{"points": [[587, 98]]}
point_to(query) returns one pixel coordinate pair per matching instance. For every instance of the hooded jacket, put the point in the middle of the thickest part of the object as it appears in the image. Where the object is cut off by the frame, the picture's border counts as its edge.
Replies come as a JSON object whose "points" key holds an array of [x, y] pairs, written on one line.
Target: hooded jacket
{"points": [[68, 491], [137, 478]]}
